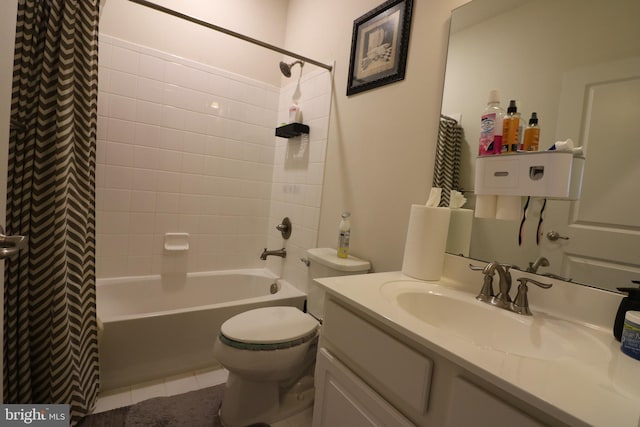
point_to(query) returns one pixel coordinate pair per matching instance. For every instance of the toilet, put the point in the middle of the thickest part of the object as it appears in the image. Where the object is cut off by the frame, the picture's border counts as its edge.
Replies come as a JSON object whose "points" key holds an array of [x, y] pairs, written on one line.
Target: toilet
{"points": [[270, 352]]}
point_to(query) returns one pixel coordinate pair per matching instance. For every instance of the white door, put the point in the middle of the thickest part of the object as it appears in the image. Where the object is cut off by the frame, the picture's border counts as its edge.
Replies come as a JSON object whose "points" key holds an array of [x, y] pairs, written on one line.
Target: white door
{"points": [[600, 234], [7, 37]]}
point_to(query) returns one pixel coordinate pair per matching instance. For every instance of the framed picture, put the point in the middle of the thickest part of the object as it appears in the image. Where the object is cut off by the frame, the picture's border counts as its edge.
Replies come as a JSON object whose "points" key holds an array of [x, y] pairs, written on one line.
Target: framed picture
{"points": [[379, 46]]}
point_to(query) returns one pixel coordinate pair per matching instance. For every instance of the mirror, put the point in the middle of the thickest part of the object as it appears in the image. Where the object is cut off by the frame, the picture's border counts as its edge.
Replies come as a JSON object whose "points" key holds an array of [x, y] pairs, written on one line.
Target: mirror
{"points": [[576, 64]]}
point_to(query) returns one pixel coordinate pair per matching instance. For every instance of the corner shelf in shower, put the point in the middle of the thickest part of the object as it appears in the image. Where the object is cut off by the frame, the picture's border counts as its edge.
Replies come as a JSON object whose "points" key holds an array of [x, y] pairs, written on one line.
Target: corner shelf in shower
{"points": [[291, 130]]}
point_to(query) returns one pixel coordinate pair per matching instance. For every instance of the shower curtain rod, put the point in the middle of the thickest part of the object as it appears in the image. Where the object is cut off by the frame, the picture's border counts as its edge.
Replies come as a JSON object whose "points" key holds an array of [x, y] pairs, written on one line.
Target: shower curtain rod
{"points": [[230, 33]]}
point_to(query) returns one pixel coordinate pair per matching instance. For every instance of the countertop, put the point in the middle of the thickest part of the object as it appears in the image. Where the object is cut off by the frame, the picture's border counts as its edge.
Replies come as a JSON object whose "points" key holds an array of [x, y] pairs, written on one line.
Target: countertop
{"points": [[600, 387]]}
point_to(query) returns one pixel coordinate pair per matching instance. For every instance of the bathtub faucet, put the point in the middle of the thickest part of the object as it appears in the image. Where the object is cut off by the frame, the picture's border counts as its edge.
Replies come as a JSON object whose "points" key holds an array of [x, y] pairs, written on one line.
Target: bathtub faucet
{"points": [[278, 252]]}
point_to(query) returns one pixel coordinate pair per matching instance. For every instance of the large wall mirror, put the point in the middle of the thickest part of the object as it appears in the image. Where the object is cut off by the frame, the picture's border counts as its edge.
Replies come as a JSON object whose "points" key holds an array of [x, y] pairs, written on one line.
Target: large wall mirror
{"points": [[576, 63]]}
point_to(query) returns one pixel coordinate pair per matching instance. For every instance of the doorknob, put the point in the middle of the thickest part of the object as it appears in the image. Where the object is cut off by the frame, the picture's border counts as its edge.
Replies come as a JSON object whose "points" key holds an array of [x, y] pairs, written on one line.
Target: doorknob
{"points": [[554, 235], [10, 245]]}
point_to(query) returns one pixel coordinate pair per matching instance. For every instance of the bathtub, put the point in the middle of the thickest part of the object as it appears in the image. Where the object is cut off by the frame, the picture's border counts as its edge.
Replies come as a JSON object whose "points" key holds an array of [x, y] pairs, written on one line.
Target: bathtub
{"points": [[158, 326]]}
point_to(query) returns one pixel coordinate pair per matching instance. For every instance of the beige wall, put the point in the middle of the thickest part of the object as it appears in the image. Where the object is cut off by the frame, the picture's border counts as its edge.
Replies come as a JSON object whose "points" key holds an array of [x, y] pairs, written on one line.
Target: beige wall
{"points": [[381, 142], [263, 20]]}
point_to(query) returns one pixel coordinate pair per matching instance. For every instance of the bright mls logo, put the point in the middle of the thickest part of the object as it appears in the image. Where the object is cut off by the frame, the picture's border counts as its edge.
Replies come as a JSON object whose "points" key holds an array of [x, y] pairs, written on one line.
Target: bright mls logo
{"points": [[36, 415]]}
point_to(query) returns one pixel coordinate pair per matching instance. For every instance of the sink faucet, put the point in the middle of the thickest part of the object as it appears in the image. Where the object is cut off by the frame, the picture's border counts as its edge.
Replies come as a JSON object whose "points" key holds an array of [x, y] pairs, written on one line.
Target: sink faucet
{"points": [[278, 252], [539, 262], [503, 299]]}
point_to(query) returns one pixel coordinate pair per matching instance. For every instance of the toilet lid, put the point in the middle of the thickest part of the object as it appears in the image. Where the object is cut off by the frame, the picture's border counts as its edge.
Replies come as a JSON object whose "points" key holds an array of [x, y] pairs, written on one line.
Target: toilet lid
{"points": [[269, 325]]}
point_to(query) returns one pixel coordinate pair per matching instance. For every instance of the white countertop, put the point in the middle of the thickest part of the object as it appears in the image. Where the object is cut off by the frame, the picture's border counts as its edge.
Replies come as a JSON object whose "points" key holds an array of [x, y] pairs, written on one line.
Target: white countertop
{"points": [[600, 387]]}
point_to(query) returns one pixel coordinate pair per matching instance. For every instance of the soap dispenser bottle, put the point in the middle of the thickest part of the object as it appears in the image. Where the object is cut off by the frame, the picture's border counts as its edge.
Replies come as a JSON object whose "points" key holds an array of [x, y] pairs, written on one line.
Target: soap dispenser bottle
{"points": [[630, 302]]}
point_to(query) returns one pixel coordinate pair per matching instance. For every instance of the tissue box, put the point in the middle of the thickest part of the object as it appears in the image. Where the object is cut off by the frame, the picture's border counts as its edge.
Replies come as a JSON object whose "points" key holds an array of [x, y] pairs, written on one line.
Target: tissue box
{"points": [[549, 174]]}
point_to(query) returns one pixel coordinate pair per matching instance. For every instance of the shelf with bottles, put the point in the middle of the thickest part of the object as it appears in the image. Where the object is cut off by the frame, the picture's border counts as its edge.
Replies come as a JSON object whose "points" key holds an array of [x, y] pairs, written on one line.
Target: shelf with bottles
{"points": [[292, 130]]}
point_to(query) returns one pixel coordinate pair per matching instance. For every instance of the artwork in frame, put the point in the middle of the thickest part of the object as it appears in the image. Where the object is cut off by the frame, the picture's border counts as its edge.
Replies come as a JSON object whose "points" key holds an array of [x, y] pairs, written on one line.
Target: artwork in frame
{"points": [[379, 46]]}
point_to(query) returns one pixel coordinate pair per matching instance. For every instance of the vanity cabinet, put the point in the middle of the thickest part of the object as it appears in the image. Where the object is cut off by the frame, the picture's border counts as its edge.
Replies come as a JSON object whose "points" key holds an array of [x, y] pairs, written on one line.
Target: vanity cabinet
{"points": [[369, 375]]}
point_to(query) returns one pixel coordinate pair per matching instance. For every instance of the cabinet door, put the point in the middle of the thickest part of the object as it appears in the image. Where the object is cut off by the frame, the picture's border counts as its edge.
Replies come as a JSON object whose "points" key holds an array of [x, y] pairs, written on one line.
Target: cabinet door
{"points": [[343, 400], [472, 406]]}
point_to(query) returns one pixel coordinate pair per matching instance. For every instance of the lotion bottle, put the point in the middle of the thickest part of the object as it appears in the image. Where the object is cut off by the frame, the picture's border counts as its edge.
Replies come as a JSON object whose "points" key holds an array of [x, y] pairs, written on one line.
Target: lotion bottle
{"points": [[344, 235], [531, 139], [511, 129]]}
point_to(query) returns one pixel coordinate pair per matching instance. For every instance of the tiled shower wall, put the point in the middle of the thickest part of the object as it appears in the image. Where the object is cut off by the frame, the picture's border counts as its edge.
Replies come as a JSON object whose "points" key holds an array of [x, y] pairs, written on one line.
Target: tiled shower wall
{"points": [[186, 147]]}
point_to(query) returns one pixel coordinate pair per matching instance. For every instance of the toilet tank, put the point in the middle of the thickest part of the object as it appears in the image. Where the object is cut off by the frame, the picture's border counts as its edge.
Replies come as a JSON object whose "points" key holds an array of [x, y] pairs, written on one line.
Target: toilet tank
{"points": [[324, 262]]}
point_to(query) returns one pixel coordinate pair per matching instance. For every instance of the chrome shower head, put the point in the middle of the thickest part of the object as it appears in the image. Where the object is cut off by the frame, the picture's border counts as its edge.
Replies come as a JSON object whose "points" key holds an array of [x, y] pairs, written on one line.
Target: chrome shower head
{"points": [[286, 68]]}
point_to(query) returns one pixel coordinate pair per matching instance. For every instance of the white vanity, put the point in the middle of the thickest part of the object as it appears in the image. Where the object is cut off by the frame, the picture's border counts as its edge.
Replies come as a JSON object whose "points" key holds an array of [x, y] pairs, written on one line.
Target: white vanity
{"points": [[396, 351]]}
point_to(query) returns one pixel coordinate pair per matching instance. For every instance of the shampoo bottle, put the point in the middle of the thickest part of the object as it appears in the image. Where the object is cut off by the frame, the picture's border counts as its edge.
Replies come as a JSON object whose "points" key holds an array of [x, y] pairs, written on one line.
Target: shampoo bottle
{"points": [[295, 115], [491, 126], [531, 138], [511, 129], [344, 235]]}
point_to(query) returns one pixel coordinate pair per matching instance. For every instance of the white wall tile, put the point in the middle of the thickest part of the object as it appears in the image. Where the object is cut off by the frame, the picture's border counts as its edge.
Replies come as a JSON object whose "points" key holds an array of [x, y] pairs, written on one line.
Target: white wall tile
{"points": [[124, 60], [149, 113], [186, 147], [122, 107], [122, 83], [150, 67]]}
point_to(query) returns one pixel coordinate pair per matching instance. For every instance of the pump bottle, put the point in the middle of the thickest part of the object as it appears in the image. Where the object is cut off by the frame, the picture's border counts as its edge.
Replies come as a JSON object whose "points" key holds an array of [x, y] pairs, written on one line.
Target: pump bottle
{"points": [[344, 235]]}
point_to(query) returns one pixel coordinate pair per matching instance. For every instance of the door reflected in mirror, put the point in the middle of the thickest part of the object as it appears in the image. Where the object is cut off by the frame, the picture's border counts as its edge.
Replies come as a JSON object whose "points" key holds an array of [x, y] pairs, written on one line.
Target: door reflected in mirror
{"points": [[577, 65]]}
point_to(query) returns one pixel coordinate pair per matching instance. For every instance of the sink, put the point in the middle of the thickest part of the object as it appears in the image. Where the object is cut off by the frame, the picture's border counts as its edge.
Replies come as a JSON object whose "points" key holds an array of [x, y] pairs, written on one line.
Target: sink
{"points": [[458, 313]]}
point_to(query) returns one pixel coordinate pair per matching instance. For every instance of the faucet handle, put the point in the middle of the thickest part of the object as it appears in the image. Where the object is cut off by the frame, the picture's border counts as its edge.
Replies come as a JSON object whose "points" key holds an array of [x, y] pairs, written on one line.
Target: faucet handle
{"points": [[525, 280], [475, 267], [486, 293], [521, 303]]}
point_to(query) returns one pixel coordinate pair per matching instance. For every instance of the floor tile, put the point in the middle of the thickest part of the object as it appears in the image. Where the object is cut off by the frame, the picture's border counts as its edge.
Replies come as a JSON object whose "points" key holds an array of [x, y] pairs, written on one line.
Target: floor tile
{"points": [[148, 390], [209, 378], [181, 384], [113, 399]]}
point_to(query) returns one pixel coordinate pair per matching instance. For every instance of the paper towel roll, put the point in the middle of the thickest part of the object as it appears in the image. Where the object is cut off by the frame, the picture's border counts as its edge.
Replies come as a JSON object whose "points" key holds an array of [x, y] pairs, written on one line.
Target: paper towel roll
{"points": [[459, 238], [485, 206], [509, 208], [426, 242]]}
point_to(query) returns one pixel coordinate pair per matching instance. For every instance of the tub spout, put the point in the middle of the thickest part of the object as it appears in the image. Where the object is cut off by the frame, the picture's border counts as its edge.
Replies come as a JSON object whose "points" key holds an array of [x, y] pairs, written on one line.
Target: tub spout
{"points": [[278, 252]]}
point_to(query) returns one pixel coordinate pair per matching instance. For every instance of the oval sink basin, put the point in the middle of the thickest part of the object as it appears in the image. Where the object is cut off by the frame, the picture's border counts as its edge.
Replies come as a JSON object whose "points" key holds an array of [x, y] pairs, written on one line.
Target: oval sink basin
{"points": [[539, 336]]}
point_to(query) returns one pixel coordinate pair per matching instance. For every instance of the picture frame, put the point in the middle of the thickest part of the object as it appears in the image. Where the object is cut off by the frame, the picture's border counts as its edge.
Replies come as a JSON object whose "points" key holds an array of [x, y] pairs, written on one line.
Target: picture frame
{"points": [[379, 46]]}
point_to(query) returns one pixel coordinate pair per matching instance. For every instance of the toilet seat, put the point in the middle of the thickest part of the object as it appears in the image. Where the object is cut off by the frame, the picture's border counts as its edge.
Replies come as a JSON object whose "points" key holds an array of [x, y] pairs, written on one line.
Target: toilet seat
{"points": [[268, 328]]}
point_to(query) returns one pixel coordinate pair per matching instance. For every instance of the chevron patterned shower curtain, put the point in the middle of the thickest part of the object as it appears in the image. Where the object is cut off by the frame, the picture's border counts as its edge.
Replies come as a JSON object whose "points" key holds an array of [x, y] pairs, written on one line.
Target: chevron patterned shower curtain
{"points": [[50, 335]]}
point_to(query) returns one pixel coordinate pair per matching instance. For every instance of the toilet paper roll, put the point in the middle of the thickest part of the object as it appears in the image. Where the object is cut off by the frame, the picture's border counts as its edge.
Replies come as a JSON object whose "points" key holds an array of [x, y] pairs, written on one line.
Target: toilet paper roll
{"points": [[509, 208], [426, 242], [459, 238], [485, 206]]}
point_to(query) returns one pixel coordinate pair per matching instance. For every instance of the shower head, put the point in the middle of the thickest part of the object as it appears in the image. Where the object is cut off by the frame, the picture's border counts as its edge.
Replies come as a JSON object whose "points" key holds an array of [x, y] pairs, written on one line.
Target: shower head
{"points": [[286, 68]]}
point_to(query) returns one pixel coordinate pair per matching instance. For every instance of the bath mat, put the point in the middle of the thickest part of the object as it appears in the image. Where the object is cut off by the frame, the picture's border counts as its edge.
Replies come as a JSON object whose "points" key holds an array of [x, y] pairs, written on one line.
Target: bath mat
{"points": [[193, 409]]}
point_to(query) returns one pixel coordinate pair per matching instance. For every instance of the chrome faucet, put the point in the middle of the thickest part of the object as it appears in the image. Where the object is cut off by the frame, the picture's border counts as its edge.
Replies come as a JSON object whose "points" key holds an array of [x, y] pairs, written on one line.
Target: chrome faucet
{"points": [[503, 299], [539, 262], [278, 252]]}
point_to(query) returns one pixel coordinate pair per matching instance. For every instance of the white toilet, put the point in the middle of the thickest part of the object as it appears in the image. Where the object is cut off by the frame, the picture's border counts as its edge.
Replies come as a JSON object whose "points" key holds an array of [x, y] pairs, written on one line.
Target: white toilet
{"points": [[270, 352]]}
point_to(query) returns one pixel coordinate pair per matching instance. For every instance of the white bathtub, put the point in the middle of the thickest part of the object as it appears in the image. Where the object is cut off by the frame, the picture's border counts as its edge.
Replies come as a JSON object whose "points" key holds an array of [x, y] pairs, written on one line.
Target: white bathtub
{"points": [[157, 326]]}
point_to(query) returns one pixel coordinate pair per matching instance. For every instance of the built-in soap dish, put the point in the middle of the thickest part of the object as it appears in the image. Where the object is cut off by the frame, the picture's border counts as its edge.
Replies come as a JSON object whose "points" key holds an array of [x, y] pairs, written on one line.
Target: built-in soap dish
{"points": [[176, 242]]}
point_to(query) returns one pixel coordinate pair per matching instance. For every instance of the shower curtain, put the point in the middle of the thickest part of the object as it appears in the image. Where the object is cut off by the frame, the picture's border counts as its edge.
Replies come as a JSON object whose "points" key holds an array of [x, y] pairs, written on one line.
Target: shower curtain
{"points": [[50, 335]]}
